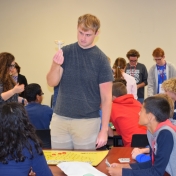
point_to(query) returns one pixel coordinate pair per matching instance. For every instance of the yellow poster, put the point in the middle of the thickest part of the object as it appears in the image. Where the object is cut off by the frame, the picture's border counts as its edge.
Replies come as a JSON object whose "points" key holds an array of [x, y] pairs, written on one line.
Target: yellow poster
{"points": [[53, 157]]}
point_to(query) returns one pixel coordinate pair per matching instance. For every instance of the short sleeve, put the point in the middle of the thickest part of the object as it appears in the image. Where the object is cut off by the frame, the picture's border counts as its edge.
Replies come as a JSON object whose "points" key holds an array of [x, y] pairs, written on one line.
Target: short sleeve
{"points": [[105, 73]]}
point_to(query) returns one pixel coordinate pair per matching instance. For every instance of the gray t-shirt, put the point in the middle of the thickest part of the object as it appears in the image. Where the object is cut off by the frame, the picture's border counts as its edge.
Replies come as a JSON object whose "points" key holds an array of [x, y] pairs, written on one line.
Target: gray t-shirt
{"points": [[84, 70], [140, 74]]}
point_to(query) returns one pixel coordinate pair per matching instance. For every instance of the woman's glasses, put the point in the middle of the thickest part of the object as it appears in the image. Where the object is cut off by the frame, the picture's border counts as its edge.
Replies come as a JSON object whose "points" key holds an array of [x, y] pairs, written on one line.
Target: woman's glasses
{"points": [[12, 66]]}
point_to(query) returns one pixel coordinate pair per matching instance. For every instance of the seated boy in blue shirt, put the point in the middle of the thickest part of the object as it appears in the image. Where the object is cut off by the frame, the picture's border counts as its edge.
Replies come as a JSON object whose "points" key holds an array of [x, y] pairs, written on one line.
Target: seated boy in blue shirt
{"points": [[39, 115]]}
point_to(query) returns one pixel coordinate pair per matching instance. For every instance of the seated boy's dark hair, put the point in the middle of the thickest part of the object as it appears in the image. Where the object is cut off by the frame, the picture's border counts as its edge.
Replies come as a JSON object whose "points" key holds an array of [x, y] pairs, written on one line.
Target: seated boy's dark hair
{"points": [[120, 80], [118, 89], [158, 106], [31, 91]]}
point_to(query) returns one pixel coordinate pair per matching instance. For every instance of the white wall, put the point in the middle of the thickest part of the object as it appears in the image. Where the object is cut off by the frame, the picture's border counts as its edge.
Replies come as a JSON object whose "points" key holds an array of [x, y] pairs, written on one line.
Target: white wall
{"points": [[28, 29]]}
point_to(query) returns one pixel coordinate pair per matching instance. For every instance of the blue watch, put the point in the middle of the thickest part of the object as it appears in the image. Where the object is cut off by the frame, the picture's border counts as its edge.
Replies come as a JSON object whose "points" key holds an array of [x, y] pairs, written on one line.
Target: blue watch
{"points": [[22, 101]]}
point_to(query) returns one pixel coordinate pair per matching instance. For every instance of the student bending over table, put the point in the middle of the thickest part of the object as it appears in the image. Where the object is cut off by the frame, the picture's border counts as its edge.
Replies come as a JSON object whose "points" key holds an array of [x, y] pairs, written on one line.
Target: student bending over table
{"points": [[20, 147]]}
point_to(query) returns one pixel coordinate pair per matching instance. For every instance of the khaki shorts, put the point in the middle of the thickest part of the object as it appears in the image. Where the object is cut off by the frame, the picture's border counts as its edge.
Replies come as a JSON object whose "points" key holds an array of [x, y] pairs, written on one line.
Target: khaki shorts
{"points": [[69, 133]]}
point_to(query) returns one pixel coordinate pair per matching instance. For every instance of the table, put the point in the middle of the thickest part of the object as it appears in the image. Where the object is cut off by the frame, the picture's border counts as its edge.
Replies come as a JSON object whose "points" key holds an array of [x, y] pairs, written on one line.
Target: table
{"points": [[113, 155]]}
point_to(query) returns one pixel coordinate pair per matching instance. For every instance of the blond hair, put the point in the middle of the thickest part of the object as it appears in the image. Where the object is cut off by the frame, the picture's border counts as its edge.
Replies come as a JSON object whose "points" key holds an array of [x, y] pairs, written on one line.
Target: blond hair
{"points": [[88, 22], [170, 85]]}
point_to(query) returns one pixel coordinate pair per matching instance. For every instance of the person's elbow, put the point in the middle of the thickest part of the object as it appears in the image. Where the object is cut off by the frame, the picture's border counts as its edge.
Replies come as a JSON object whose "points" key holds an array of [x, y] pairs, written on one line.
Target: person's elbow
{"points": [[51, 82]]}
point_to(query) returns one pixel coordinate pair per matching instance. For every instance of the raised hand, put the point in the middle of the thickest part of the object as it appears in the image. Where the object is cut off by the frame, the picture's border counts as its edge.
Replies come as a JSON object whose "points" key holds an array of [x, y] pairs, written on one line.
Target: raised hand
{"points": [[18, 88], [58, 57]]}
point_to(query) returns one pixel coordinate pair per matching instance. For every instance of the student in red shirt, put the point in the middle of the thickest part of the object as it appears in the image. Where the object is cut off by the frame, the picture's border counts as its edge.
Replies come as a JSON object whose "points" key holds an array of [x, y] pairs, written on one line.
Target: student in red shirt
{"points": [[125, 113]]}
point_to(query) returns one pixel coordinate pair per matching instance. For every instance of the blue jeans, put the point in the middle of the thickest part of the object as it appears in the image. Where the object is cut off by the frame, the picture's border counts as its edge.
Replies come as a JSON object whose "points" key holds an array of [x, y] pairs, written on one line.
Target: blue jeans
{"points": [[141, 100]]}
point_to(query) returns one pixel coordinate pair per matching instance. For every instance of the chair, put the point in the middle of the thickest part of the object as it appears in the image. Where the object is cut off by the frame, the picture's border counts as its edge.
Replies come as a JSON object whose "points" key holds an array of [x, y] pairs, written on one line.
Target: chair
{"points": [[109, 144], [45, 137], [51, 102], [117, 141], [139, 140]]}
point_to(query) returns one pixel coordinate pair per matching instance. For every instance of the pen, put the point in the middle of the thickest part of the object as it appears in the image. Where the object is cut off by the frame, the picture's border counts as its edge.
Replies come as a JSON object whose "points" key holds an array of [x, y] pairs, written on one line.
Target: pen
{"points": [[107, 163]]}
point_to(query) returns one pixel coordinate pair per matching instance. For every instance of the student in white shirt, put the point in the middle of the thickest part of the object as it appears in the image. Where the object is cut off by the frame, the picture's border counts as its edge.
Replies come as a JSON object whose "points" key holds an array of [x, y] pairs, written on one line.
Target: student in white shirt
{"points": [[119, 72]]}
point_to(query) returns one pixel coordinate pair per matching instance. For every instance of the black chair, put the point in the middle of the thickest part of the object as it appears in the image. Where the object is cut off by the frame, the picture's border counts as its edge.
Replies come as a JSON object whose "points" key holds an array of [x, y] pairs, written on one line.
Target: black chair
{"points": [[117, 141], [139, 140], [109, 144], [51, 103], [45, 137]]}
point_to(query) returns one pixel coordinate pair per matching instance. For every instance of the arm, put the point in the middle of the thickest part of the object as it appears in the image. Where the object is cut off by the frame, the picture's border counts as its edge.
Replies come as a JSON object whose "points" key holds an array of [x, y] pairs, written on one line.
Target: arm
{"points": [[110, 132], [151, 78], [161, 158], [116, 169], [22, 100], [106, 102], [144, 78], [40, 166], [137, 151], [139, 154], [140, 85], [6, 95], [134, 90], [55, 73], [122, 170]]}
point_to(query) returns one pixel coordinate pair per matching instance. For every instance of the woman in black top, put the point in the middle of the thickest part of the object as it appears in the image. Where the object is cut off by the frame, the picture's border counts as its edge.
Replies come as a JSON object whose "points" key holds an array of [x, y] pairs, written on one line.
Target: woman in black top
{"points": [[18, 78]]}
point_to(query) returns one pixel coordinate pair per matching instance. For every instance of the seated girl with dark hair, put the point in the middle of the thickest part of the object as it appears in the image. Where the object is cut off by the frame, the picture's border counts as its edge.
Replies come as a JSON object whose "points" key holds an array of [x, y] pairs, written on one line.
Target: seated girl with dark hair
{"points": [[20, 147]]}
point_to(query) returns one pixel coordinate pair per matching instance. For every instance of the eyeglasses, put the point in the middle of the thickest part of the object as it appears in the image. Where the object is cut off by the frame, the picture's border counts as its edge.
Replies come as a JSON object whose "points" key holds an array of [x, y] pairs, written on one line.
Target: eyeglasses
{"points": [[41, 94], [12, 65], [155, 59], [133, 60]]}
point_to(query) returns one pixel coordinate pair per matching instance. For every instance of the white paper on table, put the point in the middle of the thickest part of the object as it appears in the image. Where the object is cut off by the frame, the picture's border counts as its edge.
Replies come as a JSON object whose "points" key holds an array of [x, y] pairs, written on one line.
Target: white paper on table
{"points": [[79, 169]]}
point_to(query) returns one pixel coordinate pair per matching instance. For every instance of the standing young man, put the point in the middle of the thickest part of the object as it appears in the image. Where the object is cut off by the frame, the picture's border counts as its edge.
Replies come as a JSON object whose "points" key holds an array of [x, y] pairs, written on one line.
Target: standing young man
{"points": [[85, 83], [138, 71], [159, 72]]}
